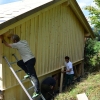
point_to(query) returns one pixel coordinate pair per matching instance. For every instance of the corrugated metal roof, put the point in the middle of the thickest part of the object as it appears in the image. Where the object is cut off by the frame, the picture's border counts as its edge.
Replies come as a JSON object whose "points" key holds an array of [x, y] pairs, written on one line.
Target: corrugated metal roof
{"points": [[12, 10]]}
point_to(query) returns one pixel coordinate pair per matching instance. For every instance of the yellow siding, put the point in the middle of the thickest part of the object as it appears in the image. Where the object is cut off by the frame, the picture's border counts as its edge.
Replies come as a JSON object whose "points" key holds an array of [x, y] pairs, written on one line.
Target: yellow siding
{"points": [[52, 35], [1, 64], [16, 93]]}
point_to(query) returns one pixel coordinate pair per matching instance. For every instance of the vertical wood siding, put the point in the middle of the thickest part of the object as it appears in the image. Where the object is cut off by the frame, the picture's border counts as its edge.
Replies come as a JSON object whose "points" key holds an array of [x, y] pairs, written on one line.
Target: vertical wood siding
{"points": [[52, 35], [16, 93], [1, 64]]}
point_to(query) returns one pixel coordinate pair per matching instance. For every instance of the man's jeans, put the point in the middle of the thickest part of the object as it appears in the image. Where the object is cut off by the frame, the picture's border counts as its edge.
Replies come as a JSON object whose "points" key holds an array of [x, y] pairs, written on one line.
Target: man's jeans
{"points": [[69, 79], [28, 67]]}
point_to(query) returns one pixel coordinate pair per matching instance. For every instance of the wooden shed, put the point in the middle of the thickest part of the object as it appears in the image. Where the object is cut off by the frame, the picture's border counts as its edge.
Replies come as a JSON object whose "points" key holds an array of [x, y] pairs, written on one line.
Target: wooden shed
{"points": [[53, 29]]}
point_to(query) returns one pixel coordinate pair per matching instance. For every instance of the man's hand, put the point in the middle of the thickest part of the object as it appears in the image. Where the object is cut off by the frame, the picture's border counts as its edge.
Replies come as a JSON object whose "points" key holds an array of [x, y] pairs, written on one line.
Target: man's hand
{"points": [[3, 41], [68, 70], [1, 37], [62, 71], [51, 87]]}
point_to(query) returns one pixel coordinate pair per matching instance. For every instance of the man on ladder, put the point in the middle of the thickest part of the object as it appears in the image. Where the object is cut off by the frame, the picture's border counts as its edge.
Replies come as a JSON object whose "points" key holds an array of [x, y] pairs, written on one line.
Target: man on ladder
{"points": [[28, 60]]}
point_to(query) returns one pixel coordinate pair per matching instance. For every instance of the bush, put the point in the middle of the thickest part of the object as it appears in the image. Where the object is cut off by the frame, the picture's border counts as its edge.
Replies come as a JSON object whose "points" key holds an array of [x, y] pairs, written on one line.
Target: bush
{"points": [[92, 55]]}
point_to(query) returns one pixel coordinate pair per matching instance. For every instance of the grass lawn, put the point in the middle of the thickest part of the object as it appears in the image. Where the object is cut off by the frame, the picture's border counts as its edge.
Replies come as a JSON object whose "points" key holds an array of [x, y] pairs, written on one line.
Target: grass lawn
{"points": [[89, 85]]}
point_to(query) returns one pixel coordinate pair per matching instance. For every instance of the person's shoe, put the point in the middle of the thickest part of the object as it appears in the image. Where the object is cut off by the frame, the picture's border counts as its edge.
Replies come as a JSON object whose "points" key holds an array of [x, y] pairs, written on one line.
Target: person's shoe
{"points": [[35, 94], [26, 76]]}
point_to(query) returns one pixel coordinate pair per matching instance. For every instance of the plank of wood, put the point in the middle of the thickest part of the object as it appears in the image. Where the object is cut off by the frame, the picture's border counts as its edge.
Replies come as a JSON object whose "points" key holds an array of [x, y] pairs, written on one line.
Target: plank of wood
{"points": [[82, 96], [61, 79]]}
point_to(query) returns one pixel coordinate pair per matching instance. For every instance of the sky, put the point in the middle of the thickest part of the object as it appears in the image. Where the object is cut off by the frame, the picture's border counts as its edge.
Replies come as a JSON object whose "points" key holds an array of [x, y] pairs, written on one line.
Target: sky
{"points": [[7, 1], [82, 4]]}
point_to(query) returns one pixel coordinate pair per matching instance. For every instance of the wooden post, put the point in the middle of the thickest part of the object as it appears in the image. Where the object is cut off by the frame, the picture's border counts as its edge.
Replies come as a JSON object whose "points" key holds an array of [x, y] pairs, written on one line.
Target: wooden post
{"points": [[82, 64], [61, 79], [79, 70], [1, 95], [75, 71]]}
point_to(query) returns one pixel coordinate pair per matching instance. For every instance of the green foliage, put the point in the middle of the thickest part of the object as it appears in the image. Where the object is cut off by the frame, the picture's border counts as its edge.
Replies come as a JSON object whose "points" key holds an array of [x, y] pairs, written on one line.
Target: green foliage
{"points": [[92, 48], [94, 14], [92, 58], [90, 86]]}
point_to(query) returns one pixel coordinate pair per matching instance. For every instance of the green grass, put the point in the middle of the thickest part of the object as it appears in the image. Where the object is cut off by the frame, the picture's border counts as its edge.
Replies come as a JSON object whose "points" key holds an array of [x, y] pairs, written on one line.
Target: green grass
{"points": [[89, 85]]}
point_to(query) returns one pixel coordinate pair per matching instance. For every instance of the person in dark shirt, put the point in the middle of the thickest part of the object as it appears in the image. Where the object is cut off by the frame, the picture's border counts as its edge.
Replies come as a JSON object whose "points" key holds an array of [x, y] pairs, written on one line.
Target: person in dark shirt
{"points": [[48, 86]]}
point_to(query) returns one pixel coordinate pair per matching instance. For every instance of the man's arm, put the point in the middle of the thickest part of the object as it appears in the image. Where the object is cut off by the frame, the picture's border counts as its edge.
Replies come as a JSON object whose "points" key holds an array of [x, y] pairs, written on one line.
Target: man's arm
{"points": [[6, 44], [3, 41], [64, 70], [70, 68]]}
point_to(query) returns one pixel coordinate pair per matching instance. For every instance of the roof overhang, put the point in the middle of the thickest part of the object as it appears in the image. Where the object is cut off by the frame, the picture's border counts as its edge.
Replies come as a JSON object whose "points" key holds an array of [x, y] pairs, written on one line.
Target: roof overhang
{"points": [[77, 10], [72, 3]]}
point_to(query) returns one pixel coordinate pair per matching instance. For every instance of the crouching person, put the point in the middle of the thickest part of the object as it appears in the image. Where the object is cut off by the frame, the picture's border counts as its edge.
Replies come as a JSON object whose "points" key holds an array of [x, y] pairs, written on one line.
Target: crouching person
{"points": [[48, 87]]}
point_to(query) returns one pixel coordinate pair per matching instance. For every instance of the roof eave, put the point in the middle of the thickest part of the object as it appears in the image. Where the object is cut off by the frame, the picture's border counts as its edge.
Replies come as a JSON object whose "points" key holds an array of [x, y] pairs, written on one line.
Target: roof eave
{"points": [[74, 5], [26, 14]]}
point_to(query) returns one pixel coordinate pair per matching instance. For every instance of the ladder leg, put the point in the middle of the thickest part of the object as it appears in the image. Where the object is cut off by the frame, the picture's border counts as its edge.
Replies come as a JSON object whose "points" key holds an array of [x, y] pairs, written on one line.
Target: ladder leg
{"points": [[33, 85], [18, 79], [32, 80], [42, 97], [15, 57]]}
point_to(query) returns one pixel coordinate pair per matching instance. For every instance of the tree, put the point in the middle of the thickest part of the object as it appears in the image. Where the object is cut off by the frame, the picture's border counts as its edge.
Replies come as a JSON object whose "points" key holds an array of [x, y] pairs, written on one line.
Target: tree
{"points": [[94, 14], [92, 47], [91, 55]]}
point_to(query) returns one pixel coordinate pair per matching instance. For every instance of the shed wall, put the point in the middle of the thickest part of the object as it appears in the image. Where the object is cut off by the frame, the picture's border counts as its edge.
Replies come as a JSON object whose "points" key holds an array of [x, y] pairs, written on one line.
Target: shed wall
{"points": [[51, 34], [1, 79]]}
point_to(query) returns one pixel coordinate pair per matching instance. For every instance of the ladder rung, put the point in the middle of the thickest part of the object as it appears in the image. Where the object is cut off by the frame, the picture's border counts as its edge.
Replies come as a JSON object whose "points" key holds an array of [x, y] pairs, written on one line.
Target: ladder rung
{"points": [[13, 62], [30, 88], [40, 95], [20, 81], [23, 80], [18, 70]]}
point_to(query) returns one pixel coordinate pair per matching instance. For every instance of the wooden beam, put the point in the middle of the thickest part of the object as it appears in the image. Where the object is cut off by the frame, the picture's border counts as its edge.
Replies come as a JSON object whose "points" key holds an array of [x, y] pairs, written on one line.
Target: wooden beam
{"points": [[1, 95], [61, 80], [75, 70]]}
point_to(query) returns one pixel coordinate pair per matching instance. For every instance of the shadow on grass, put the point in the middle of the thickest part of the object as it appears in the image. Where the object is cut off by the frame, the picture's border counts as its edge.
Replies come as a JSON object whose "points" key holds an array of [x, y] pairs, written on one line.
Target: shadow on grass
{"points": [[70, 92]]}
